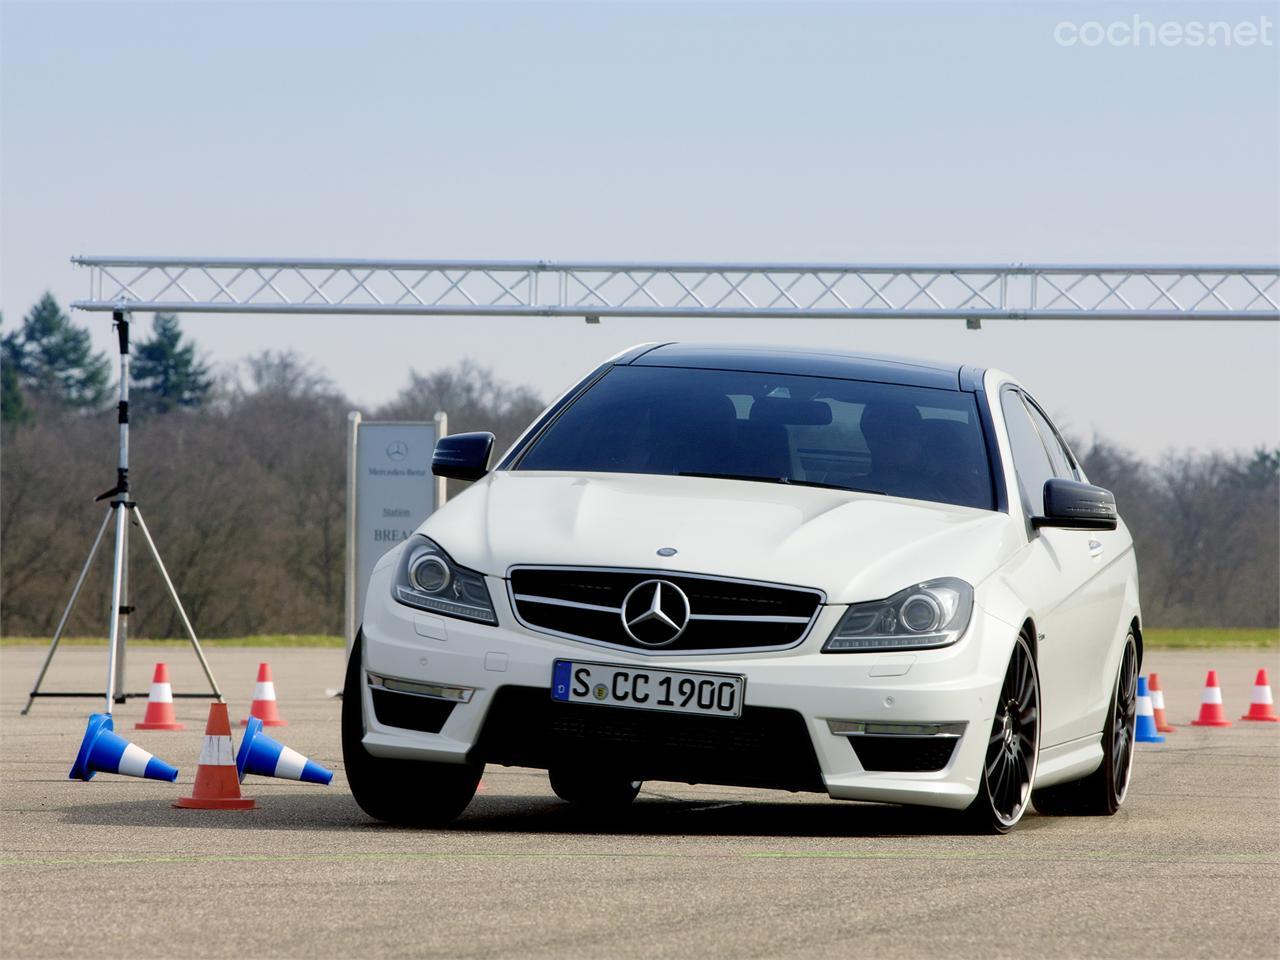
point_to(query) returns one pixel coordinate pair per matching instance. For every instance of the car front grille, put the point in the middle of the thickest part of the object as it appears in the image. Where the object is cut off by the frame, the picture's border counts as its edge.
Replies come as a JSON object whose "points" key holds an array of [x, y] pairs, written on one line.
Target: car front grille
{"points": [[587, 604], [765, 747]]}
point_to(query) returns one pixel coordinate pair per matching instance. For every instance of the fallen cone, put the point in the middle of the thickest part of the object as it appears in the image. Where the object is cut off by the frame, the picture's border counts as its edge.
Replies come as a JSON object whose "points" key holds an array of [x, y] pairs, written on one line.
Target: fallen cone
{"points": [[1157, 705], [104, 751], [217, 785], [160, 715], [1261, 706], [267, 757], [1211, 714], [264, 700]]}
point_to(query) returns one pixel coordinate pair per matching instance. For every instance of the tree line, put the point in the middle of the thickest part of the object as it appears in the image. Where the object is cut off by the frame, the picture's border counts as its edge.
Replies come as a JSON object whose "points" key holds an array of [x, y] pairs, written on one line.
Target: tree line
{"points": [[242, 476]]}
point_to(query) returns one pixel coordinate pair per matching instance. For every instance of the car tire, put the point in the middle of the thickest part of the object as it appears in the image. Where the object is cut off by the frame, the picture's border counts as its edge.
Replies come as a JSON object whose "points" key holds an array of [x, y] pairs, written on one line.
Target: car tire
{"points": [[601, 791], [1101, 793], [410, 793], [1012, 748]]}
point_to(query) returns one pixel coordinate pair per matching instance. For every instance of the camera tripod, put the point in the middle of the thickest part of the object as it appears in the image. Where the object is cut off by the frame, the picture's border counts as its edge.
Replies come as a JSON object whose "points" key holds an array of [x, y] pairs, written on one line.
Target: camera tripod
{"points": [[123, 510]]}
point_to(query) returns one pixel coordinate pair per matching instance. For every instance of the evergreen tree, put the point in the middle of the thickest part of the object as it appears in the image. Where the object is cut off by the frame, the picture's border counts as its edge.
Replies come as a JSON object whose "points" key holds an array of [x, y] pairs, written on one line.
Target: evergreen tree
{"points": [[13, 406], [165, 373], [53, 360]]}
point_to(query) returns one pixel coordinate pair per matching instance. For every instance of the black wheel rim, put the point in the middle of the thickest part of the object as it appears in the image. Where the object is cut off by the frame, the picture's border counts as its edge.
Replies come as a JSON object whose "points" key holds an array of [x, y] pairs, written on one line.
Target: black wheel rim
{"points": [[1123, 721], [1015, 739]]}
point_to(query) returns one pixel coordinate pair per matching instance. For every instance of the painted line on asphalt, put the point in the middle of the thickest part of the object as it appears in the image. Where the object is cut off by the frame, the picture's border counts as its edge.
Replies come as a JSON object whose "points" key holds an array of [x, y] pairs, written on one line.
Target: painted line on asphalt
{"points": [[973, 856], [1075, 856], [321, 858]]}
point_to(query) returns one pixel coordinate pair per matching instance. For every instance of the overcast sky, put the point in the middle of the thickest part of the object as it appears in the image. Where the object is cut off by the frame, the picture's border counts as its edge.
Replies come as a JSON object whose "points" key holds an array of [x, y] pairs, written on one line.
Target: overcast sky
{"points": [[713, 131]]}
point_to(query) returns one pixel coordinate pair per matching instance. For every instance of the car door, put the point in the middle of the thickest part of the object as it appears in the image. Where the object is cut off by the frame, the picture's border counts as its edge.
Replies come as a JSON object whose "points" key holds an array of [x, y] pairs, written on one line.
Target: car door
{"points": [[1058, 577], [1096, 607]]}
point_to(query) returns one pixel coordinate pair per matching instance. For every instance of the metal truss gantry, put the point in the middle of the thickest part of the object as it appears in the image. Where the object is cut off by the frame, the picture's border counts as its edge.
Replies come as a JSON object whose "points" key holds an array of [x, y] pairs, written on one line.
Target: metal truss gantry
{"points": [[540, 288]]}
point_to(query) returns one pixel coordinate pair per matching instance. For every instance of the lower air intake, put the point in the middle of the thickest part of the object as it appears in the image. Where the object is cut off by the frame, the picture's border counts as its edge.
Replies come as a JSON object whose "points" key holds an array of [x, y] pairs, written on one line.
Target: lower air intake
{"points": [[764, 747], [903, 754], [410, 712]]}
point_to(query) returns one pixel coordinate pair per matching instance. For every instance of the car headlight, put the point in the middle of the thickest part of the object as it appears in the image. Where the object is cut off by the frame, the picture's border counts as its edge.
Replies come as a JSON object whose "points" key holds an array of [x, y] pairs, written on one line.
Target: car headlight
{"points": [[427, 578], [930, 614]]}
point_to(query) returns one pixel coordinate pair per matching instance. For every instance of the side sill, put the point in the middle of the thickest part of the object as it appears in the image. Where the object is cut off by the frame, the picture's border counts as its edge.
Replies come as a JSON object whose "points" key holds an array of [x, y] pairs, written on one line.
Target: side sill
{"points": [[1069, 761]]}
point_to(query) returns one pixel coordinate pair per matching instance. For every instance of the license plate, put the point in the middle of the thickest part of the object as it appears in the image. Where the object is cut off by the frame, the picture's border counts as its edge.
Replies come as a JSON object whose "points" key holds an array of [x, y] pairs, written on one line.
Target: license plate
{"points": [[639, 688]]}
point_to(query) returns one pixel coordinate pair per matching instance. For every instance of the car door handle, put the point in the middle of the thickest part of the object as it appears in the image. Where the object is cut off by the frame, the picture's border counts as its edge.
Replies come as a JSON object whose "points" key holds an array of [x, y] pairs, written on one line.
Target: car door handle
{"points": [[1095, 549]]}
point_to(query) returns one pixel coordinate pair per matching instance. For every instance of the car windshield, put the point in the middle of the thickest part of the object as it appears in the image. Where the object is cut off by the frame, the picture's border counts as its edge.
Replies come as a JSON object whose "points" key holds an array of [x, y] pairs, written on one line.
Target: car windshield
{"points": [[902, 441]]}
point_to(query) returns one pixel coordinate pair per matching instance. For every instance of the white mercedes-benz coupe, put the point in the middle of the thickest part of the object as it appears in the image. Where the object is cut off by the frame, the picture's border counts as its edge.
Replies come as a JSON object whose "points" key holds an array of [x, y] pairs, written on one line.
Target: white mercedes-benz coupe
{"points": [[882, 579]]}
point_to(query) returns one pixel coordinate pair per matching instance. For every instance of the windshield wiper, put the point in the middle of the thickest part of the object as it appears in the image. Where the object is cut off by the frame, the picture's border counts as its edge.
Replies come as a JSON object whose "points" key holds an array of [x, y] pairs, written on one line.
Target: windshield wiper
{"points": [[785, 481], [831, 486], [730, 476]]}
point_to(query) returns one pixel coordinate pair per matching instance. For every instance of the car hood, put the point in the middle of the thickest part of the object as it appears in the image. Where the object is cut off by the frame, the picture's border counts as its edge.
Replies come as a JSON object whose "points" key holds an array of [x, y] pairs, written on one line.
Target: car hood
{"points": [[851, 546]]}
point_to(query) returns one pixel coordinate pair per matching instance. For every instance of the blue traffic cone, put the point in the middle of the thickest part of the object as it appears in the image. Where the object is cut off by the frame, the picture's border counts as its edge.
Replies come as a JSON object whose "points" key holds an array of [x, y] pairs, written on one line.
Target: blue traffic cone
{"points": [[102, 751], [1145, 729], [261, 755]]}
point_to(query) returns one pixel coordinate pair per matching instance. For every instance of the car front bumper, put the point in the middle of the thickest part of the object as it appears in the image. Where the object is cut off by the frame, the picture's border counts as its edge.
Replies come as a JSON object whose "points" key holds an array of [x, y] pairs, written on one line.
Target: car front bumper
{"points": [[957, 686]]}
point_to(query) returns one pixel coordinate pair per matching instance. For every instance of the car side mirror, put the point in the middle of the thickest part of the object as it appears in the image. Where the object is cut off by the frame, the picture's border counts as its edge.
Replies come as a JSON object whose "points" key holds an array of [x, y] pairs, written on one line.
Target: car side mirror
{"points": [[462, 456], [1076, 506]]}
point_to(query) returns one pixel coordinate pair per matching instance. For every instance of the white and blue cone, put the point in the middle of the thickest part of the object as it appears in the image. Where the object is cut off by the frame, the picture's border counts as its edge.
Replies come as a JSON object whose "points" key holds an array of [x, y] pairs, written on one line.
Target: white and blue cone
{"points": [[1144, 727], [104, 751], [259, 754]]}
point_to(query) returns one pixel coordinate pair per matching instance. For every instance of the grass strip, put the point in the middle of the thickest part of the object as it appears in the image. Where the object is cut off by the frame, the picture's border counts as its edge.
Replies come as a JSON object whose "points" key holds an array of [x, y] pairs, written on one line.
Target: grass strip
{"points": [[1156, 638], [258, 640]]}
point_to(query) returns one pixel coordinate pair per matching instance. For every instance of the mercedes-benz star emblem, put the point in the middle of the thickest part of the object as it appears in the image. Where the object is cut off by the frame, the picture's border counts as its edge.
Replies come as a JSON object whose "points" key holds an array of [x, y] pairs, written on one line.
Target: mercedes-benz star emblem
{"points": [[397, 450], [655, 613]]}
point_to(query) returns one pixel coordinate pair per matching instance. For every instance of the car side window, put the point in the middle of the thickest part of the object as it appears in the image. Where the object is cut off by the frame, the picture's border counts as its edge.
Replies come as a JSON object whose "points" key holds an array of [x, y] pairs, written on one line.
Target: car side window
{"points": [[1058, 456], [1030, 460]]}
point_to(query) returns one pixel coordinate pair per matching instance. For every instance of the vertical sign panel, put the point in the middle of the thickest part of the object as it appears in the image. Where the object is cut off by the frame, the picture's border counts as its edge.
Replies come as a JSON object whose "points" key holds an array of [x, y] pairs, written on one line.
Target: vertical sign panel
{"points": [[392, 492]]}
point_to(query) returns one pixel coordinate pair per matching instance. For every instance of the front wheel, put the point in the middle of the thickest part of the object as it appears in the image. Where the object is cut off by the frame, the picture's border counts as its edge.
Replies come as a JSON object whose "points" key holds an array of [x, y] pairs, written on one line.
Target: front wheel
{"points": [[1013, 748], [1101, 792], [410, 793]]}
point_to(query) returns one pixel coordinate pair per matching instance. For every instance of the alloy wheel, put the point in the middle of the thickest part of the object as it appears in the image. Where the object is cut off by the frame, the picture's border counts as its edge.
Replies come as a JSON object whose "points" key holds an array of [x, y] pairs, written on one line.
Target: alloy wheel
{"points": [[1125, 710], [1014, 745]]}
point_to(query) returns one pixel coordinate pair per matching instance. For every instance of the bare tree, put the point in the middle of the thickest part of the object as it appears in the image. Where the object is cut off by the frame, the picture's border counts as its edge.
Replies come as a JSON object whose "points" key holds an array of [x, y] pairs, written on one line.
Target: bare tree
{"points": [[1206, 527]]}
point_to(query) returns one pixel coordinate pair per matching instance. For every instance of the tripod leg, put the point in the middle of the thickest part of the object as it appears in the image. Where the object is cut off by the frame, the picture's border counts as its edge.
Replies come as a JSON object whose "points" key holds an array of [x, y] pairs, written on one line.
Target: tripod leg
{"points": [[66, 614], [117, 578], [173, 595]]}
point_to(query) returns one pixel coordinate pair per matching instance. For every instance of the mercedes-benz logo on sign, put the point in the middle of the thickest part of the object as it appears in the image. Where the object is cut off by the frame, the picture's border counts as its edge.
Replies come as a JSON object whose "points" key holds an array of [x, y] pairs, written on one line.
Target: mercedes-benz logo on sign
{"points": [[397, 450], [655, 613]]}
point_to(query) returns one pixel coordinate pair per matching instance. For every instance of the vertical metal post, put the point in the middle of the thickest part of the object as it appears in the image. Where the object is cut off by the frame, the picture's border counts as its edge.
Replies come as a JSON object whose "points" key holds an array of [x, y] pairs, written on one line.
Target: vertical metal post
{"points": [[123, 640], [349, 613], [442, 484], [117, 570], [120, 582]]}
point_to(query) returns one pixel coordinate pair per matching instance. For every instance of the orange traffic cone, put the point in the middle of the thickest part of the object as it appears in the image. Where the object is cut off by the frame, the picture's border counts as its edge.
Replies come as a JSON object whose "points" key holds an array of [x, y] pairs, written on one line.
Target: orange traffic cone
{"points": [[264, 700], [1261, 706], [1211, 714], [217, 784], [160, 715], [1157, 704]]}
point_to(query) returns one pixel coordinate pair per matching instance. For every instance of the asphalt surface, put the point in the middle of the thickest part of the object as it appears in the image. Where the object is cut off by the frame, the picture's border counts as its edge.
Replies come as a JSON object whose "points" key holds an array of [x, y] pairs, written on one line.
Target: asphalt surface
{"points": [[1190, 867]]}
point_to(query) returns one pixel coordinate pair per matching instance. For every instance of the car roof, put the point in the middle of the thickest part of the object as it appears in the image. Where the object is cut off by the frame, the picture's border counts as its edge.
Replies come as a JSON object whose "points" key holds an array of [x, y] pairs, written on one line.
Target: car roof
{"points": [[813, 363]]}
